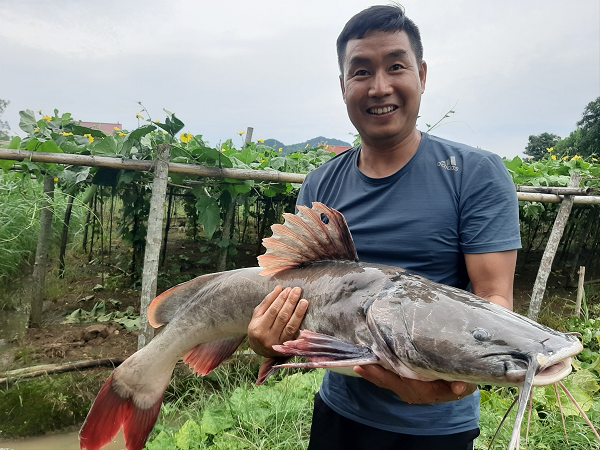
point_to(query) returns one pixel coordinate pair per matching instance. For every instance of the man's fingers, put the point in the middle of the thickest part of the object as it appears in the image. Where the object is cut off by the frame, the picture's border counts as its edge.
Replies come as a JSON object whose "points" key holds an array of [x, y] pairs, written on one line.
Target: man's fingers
{"points": [[267, 302], [462, 389], [287, 309], [291, 329]]}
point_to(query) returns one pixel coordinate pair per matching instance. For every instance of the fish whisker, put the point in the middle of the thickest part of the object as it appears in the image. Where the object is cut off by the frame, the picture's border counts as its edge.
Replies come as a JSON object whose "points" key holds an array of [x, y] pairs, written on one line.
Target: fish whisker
{"points": [[502, 421], [579, 408]]}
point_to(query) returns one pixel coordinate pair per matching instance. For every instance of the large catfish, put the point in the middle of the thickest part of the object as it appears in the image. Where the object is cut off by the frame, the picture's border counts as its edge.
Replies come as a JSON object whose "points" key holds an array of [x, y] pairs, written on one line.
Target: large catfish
{"points": [[359, 313]]}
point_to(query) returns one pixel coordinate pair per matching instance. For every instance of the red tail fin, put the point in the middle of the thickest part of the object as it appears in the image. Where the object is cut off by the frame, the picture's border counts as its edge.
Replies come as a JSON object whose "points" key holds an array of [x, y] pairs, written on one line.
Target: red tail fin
{"points": [[111, 412]]}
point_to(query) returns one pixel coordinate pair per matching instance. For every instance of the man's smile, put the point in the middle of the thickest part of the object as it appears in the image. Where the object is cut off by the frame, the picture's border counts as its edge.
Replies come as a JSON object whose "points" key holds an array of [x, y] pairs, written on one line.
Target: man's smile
{"points": [[379, 110]]}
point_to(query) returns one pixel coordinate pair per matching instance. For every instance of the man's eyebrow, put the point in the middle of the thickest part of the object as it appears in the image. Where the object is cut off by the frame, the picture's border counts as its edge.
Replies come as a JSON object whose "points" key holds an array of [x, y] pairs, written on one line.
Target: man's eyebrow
{"points": [[358, 60], [397, 54]]}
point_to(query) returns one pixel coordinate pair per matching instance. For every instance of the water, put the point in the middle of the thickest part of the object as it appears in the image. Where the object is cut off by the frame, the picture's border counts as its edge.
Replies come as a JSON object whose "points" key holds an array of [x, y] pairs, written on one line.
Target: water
{"points": [[13, 325], [67, 441]]}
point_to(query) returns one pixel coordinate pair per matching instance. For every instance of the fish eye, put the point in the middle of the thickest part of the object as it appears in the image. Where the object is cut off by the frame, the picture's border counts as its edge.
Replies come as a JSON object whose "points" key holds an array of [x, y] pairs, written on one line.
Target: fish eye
{"points": [[481, 335], [324, 218]]}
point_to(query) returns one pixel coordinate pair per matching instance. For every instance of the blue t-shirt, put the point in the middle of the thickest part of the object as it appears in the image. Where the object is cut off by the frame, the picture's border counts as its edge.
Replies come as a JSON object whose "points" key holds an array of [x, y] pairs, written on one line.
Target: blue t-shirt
{"points": [[448, 200]]}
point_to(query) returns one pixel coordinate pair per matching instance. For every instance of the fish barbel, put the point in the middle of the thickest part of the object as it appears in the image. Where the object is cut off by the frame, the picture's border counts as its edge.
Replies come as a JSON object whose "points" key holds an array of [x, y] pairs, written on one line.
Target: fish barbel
{"points": [[359, 314]]}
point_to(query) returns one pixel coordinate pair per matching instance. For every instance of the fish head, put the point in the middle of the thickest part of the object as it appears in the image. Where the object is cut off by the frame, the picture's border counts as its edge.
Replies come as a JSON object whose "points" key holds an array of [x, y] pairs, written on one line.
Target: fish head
{"points": [[440, 332]]}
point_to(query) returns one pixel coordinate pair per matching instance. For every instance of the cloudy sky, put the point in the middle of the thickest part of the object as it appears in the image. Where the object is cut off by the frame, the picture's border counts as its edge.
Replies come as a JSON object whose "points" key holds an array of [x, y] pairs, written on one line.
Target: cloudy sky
{"points": [[509, 68]]}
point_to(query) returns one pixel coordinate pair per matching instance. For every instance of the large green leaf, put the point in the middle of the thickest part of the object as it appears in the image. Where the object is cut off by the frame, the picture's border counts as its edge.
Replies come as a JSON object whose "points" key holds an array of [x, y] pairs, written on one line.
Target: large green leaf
{"points": [[209, 214], [108, 147], [216, 420], [79, 130], [27, 123], [15, 143], [140, 132], [50, 147]]}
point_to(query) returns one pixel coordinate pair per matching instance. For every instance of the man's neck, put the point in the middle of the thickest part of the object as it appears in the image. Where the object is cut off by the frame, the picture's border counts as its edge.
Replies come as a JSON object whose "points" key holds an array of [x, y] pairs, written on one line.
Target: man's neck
{"points": [[384, 160]]}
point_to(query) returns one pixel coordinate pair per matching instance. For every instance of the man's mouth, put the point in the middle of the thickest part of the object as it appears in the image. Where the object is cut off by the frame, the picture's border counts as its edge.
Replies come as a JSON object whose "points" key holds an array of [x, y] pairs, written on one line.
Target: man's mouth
{"points": [[379, 111]]}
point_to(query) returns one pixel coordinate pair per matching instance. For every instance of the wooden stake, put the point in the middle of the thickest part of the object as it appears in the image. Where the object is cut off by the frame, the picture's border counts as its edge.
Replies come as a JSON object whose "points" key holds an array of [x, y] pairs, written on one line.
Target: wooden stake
{"points": [[41, 255], [539, 288], [249, 131], [579, 291], [153, 241]]}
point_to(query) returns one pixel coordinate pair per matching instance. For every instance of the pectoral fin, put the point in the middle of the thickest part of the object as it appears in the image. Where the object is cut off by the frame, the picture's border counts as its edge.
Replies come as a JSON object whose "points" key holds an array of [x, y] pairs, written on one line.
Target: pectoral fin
{"points": [[325, 352]]}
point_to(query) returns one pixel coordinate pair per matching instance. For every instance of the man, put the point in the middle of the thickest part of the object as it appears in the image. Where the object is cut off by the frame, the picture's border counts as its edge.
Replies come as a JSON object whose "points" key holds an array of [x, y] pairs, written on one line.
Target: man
{"points": [[441, 209]]}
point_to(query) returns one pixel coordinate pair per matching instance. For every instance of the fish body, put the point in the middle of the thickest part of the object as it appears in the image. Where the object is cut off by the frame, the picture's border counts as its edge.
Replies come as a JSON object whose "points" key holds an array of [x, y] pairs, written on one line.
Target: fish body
{"points": [[359, 313]]}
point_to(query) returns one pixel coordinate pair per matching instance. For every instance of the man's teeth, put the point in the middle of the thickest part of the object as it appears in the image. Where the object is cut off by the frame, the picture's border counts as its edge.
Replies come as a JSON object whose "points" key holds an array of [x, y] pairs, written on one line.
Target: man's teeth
{"points": [[384, 110]]}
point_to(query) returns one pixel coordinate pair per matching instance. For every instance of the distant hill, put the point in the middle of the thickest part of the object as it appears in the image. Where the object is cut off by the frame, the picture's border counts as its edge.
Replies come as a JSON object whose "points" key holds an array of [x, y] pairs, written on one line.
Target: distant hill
{"points": [[314, 142]]}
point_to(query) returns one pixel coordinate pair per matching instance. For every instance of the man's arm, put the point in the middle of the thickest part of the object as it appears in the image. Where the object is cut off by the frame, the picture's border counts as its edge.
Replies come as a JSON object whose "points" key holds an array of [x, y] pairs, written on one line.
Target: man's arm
{"points": [[492, 276]]}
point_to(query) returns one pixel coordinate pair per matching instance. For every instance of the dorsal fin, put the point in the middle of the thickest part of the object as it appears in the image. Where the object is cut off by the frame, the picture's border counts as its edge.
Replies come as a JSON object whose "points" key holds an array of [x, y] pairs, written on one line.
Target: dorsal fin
{"points": [[305, 238]]}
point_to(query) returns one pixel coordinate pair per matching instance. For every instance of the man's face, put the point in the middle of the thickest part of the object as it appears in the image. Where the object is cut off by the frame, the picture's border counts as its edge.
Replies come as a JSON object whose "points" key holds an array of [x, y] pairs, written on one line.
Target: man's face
{"points": [[382, 86]]}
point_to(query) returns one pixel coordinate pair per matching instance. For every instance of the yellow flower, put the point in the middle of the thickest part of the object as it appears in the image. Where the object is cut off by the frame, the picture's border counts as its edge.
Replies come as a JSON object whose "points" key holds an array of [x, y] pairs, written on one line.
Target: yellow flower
{"points": [[551, 149], [89, 136], [554, 157], [263, 160], [122, 134], [566, 158], [223, 149], [66, 134], [186, 137], [594, 159], [36, 130], [139, 116], [47, 118], [117, 129], [307, 146], [40, 111], [262, 141], [327, 146], [241, 132], [157, 121], [280, 149], [576, 158], [55, 180]]}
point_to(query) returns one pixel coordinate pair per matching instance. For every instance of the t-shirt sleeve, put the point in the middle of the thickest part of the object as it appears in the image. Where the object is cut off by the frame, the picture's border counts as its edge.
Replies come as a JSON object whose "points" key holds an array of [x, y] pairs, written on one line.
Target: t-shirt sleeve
{"points": [[304, 196], [489, 209]]}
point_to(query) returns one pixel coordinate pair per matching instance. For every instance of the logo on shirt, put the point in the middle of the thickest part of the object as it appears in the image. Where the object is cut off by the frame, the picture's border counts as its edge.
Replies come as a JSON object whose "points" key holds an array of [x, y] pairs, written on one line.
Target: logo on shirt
{"points": [[449, 164]]}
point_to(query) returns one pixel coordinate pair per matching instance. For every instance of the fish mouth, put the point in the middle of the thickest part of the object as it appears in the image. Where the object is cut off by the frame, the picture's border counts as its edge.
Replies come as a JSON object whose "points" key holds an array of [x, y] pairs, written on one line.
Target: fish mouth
{"points": [[516, 369]]}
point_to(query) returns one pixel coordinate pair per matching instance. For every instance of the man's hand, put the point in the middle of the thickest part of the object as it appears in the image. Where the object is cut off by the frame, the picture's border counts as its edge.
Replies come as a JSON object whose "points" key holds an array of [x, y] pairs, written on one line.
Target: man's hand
{"points": [[415, 391], [276, 320]]}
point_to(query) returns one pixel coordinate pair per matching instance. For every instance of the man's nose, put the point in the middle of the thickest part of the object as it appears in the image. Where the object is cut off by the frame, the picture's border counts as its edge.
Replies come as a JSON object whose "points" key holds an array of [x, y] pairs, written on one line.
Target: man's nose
{"points": [[380, 85]]}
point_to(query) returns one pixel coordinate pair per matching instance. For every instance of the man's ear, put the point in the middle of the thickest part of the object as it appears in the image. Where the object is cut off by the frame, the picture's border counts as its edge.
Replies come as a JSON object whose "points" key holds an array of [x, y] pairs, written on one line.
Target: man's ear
{"points": [[343, 87], [423, 75]]}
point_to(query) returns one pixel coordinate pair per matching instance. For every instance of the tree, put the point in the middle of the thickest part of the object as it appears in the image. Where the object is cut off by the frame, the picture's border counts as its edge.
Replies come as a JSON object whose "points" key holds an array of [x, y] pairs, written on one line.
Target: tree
{"points": [[4, 126], [589, 126], [538, 145]]}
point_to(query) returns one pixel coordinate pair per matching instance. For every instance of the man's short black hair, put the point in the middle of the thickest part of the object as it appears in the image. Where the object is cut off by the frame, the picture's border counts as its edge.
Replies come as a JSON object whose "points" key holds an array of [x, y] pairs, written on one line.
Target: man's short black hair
{"points": [[388, 18]]}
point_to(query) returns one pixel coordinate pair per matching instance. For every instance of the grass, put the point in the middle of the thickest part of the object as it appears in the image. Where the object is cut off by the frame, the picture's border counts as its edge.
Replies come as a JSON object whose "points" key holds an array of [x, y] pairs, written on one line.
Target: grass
{"points": [[49, 403], [226, 411], [20, 208]]}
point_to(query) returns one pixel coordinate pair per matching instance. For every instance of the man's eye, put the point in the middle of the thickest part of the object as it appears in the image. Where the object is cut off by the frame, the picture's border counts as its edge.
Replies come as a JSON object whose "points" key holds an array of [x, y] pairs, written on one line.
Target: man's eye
{"points": [[397, 67], [361, 73]]}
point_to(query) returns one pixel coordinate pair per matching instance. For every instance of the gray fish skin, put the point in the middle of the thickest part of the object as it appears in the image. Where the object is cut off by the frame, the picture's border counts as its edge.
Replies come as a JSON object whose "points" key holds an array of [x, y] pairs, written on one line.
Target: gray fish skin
{"points": [[410, 322], [418, 328]]}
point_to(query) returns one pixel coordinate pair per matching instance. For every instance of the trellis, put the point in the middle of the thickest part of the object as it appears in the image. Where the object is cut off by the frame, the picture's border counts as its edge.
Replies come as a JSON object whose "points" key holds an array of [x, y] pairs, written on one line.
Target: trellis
{"points": [[161, 168]]}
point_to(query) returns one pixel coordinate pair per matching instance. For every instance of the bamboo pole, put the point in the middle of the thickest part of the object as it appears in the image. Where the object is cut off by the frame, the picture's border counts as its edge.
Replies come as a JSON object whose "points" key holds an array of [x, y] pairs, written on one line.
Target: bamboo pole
{"points": [[236, 174], [554, 190], [552, 198], [153, 241], [579, 291], [148, 166], [539, 287]]}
